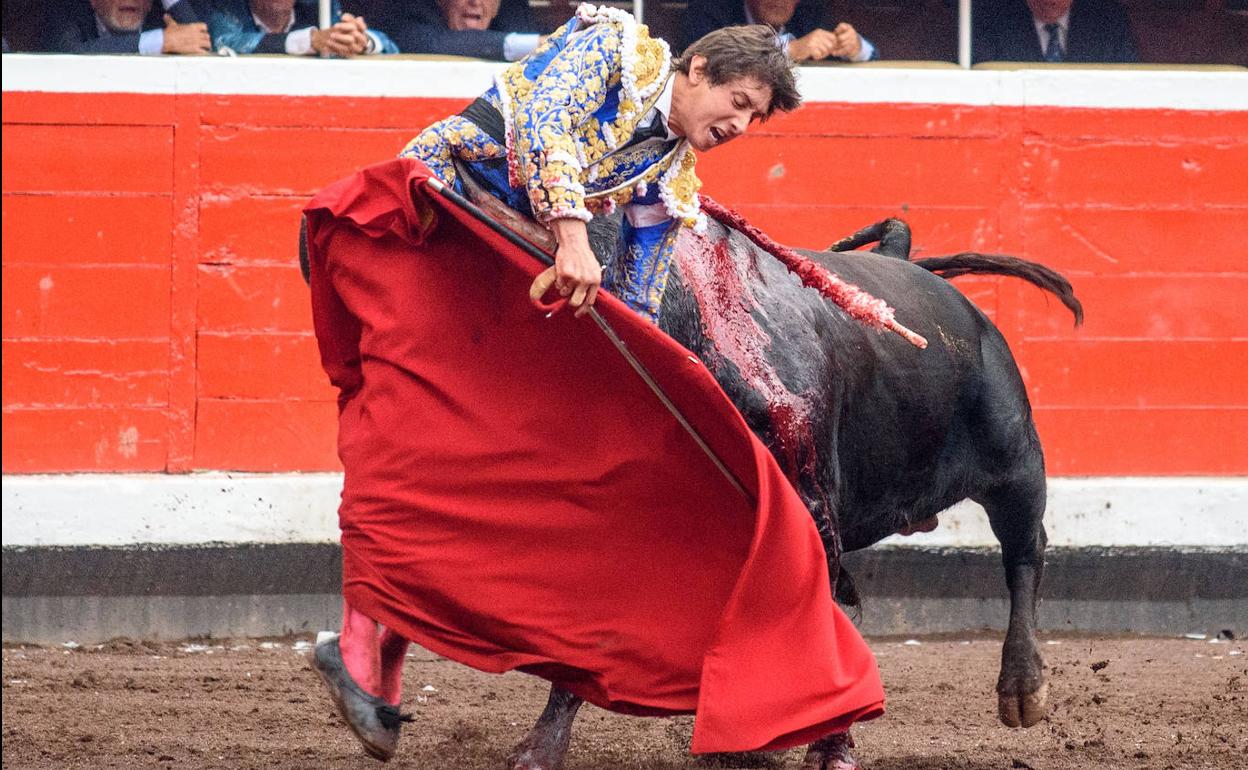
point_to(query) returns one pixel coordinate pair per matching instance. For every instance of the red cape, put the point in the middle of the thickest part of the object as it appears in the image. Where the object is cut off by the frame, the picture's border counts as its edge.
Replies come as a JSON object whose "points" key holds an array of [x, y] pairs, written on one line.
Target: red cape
{"points": [[515, 497]]}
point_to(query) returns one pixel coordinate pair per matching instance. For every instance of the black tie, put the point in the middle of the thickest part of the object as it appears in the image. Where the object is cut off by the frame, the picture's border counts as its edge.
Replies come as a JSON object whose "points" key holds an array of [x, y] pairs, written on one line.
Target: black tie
{"points": [[1053, 51], [656, 130]]}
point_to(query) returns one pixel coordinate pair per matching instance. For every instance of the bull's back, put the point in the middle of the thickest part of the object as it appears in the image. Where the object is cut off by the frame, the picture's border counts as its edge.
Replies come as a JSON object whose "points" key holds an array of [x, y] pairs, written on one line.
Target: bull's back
{"points": [[915, 431]]}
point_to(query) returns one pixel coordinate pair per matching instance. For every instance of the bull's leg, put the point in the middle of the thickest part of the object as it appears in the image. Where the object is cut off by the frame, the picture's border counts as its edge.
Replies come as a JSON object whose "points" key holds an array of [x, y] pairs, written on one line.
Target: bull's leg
{"points": [[831, 753], [547, 743], [826, 524], [1016, 510]]}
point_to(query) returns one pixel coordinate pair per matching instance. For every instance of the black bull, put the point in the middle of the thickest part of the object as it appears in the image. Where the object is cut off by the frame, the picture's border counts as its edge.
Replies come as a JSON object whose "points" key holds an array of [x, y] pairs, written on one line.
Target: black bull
{"points": [[878, 436]]}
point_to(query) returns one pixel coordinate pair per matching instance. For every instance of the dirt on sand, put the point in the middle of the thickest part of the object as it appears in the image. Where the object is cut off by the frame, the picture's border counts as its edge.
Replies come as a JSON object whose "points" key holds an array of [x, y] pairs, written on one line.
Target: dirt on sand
{"points": [[1115, 703]]}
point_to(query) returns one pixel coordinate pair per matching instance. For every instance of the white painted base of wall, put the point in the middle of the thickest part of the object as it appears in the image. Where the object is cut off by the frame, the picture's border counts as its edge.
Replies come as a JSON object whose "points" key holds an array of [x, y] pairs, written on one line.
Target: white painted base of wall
{"points": [[1194, 512], [128, 509]]}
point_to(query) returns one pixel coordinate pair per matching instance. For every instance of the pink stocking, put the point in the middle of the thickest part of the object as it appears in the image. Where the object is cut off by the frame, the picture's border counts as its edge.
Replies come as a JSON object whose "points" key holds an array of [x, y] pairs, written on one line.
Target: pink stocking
{"points": [[360, 649], [393, 651]]}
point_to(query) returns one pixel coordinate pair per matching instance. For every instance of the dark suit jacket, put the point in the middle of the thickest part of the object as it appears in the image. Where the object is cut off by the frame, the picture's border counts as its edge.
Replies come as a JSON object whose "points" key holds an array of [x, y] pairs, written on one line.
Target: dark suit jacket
{"points": [[417, 26], [1099, 32], [705, 16], [78, 33]]}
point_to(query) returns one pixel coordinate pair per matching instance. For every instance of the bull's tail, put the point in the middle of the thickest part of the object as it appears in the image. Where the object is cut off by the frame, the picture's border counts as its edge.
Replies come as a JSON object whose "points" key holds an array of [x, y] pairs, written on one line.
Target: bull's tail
{"points": [[974, 263]]}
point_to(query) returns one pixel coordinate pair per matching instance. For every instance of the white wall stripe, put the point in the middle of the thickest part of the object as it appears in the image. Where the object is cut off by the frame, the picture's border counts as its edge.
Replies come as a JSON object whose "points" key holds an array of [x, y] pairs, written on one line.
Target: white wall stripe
{"points": [[1115, 89], [125, 509]]}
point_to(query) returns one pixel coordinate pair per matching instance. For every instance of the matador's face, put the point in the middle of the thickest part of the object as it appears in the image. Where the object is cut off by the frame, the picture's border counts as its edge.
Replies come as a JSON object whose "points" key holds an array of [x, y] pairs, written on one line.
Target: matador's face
{"points": [[710, 115]]}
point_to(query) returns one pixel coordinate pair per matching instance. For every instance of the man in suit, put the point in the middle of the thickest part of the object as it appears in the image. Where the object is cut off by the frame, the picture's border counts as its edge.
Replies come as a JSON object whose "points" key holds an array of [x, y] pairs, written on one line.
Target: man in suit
{"points": [[291, 27], [129, 26], [797, 24], [503, 30], [1052, 31]]}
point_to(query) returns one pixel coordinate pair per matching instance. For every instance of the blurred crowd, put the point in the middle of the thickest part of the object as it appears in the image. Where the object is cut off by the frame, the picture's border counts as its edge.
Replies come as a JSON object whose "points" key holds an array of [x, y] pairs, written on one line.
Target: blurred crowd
{"points": [[483, 29], [810, 30]]}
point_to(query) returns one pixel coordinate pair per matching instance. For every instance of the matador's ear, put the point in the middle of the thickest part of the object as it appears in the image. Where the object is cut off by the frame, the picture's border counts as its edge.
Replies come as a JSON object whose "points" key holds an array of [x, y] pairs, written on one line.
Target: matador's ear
{"points": [[697, 69]]}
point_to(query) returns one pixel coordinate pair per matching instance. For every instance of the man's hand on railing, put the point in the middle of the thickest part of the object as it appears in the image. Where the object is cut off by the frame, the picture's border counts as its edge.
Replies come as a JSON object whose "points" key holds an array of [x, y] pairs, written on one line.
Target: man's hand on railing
{"points": [[185, 38], [347, 38], [842, 43], [848, 42]]}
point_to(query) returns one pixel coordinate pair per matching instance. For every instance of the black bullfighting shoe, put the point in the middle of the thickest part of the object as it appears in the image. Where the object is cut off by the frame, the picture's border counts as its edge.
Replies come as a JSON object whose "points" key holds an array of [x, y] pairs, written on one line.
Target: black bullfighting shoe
{"points": [[374, 722]]}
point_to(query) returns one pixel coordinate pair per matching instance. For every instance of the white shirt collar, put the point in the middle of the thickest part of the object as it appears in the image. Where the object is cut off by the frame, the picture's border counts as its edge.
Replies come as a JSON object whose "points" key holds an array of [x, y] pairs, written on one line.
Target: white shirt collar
{"points": [[287, 28], [1063, 30], [664, 105]]}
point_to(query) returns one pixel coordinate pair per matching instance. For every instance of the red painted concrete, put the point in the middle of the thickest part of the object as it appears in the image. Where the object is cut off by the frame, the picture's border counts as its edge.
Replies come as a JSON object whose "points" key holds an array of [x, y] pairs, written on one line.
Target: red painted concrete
{"points": [[154, 318]]}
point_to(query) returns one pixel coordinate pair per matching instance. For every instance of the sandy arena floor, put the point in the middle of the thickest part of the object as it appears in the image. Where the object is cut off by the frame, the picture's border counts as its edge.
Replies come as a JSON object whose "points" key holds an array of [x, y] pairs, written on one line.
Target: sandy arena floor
{"points": [[1117, 703]]}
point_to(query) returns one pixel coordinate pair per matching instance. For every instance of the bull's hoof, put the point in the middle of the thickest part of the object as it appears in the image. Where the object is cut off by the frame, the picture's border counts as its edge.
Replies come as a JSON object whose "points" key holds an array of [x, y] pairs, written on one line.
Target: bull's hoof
{"points": [[827, 763], [531, 760], [1025, 710], [831, 753], [538, 752]]}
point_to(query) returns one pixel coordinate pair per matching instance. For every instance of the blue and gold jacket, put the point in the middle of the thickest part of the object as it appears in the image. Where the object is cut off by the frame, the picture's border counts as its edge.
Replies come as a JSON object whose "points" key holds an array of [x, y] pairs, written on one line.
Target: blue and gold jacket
{"points": [[569, 111]]}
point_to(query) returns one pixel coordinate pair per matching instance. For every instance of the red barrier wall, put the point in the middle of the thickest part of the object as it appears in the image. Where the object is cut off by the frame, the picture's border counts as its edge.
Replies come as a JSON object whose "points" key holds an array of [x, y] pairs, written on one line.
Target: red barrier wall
{"points": [[154, 319]]}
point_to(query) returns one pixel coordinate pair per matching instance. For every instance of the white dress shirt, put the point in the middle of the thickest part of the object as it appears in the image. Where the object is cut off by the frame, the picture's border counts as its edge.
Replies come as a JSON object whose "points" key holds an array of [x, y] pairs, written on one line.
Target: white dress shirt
{"points": [[662, 107], [1063, 31], [517, 45], [643, 215]]}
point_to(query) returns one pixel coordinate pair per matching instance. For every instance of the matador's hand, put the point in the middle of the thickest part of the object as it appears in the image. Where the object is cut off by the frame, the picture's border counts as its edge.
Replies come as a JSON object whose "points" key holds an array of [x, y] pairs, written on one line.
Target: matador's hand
{"points": [[576, 274]]}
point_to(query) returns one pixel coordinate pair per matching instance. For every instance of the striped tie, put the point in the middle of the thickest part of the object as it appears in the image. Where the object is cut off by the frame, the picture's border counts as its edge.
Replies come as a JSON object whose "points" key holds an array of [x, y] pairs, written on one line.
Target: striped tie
{"points": [[1053, 51]]}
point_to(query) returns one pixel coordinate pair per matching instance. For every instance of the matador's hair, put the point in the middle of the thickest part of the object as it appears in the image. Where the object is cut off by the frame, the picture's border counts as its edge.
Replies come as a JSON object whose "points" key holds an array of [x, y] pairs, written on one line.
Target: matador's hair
{"points": [[748, 50]]}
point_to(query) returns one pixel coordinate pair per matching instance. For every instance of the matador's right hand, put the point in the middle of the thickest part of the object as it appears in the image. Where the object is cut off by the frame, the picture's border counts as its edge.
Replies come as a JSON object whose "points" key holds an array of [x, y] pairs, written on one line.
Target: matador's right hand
{"points": [[576, 274]]}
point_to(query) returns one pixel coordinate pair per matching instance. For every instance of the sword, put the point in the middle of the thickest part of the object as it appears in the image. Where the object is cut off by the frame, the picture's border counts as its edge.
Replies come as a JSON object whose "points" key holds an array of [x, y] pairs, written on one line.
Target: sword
{"points": [[515, 239]]}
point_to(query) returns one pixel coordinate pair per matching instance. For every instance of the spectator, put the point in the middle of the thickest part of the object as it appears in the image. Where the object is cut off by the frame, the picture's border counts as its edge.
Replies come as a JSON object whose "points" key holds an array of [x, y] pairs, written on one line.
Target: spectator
{"points": [[129, 26], [292, 27], [797, 24], [482, 29], [1052, 31]]}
